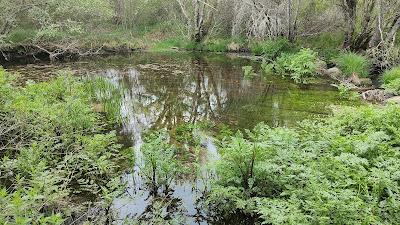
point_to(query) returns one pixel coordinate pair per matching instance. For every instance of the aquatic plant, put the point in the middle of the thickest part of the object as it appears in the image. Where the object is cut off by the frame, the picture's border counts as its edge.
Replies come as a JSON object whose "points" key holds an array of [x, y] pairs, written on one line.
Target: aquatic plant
{"points": [[301, 66], [248, 72], [160, 166], [340, 170], [55, 149]]}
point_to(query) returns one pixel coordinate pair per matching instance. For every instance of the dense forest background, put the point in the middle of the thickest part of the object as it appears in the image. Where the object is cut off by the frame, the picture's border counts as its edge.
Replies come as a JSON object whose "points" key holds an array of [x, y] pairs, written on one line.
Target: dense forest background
{"points": [[84, 26]]}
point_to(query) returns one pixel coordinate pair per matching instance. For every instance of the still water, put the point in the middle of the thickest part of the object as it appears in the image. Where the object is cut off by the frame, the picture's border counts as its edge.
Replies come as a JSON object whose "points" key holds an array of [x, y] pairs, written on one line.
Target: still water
{"points": [[165, 90]]}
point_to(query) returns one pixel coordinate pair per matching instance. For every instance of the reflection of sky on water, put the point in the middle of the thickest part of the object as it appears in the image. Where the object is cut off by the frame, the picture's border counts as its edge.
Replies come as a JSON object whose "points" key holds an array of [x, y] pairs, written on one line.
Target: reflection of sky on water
{"points": [[163, 91]]}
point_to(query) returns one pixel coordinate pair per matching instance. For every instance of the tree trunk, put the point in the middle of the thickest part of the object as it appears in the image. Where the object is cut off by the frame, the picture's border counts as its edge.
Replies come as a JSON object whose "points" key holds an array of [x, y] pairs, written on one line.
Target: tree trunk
{"points": [[199, 18], [290, 22], [349, 7], [377, 35], [391, 36]]}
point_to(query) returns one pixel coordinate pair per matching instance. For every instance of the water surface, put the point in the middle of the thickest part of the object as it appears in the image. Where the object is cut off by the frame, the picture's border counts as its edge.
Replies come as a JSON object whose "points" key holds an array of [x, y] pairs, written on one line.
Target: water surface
{"points": [[165, 90]]}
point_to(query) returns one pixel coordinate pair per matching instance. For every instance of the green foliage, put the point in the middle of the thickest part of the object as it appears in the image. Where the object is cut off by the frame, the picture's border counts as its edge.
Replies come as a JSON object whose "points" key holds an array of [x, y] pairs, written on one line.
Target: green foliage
{"points": [[160, 165], [56, 149], [341, 170], [20, 36], [51, 20], [347, 93], [393, 86], [217, 45], [168, 44], [391, 75], [327, 45], [391, 80], [248, 72], [301, 67], [271, 49], [351, 63], [267, 68]]}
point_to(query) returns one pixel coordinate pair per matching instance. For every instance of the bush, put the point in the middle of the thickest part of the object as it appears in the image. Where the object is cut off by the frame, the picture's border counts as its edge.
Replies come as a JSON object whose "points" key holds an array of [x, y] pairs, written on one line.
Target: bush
{"points": [[391, 80], [393, 86], [300, 66], [326, 44], [56, 149], [391, 75], [341, 170], [271, 49], [20, 36], [160, 166], [217, 45], [248, 72], [351, 63]]}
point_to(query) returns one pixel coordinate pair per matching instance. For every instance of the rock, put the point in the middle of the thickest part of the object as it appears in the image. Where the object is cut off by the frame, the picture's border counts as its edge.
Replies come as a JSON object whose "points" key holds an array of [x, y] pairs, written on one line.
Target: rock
{"points": [[376, 95], [334, 73], [395, 99], [233, 47], [321, 67], [365, 82], [354, 79]]}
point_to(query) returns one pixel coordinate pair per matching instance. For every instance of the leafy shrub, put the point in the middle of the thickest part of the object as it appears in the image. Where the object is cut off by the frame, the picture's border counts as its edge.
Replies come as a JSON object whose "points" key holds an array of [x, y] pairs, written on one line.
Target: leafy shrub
{"points": [[248, 72], [341, 170], [20, 36], [327, 45], [393, 86], [391, 80], [267, 68], [271, 49], [351, 63], [217, 45], [58, 150], [391, 75], [160, 166], [300, 66], [346, 93]]}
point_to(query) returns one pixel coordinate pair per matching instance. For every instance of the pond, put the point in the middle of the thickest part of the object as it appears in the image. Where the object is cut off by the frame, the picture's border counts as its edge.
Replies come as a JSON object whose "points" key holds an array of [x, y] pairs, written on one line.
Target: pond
{"points": [[166, 90]]}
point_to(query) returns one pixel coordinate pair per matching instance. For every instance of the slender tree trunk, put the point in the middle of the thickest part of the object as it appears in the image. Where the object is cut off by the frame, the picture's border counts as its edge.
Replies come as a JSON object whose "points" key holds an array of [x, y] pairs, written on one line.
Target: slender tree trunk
{"points": [[349, 7], [390, 38], [290, 22], [377, 36], [199, 18]]}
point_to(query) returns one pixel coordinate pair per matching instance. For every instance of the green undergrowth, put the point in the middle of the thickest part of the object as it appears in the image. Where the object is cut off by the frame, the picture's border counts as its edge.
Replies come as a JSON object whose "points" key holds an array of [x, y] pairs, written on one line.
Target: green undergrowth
{"points": [[391, 80], [59, 155], [301, 67], [340, 170], [352, 63], [328, 45]]}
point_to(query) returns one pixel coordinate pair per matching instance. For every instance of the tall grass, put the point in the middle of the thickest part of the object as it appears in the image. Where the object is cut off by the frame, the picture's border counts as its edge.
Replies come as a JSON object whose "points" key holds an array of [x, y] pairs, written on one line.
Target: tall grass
{"points": [[351, 63], [391, 80], [391, 75], [271, 49]]}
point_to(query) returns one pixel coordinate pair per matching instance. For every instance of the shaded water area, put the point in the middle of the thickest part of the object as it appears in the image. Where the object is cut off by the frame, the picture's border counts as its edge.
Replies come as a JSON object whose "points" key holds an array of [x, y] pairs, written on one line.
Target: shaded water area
{"points": [[166, 90]]}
